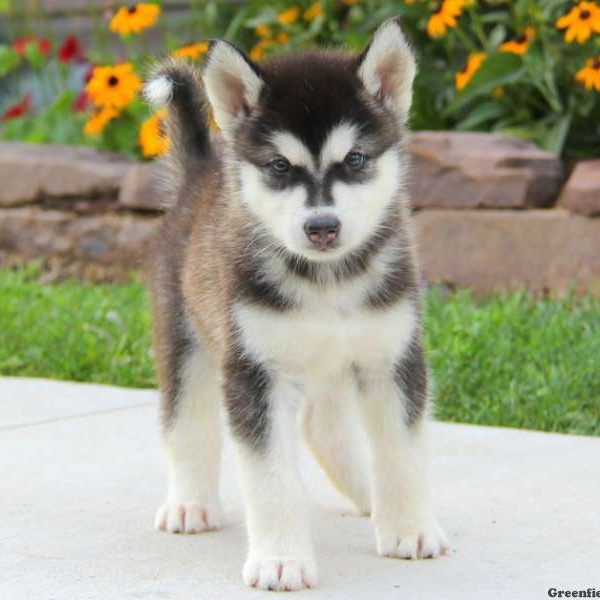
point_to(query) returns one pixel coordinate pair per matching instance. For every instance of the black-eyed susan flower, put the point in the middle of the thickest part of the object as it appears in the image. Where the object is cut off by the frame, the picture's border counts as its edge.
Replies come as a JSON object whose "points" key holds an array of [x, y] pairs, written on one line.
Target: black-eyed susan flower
{"points": [[283, 38], [193, 51], [580, 22], [464, 76], [589, 76], [289, 16], [263, 32], [313, 11], [520, 44], [135, 18], [153, 138], [113, 87], [444, 18], [98, 122]]}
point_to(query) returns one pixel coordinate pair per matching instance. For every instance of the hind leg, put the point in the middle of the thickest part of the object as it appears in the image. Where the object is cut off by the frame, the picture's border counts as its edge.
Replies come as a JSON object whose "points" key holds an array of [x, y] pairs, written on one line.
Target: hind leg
{"points": [[332, 429], [192, 439]]}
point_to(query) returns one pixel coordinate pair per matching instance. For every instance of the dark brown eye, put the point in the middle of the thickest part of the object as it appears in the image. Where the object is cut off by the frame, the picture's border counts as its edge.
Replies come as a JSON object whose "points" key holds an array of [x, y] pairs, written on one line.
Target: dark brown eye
{"points": [[280, 166], [355, 160]]}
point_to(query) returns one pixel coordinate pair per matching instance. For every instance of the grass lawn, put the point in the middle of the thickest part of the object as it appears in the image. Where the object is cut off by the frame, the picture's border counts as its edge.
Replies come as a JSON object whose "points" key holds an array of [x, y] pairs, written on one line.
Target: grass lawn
{"points": [[509, 360]]}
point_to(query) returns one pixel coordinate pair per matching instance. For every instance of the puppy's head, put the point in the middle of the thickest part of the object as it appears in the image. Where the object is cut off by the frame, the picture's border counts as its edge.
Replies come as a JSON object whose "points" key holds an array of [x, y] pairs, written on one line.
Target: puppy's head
{"points": [[315, 138]]}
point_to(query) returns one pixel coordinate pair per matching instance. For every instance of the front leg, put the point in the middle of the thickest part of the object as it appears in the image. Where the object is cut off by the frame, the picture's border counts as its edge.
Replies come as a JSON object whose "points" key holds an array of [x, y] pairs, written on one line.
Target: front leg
{"points": [[395, 412], [262, 408]]}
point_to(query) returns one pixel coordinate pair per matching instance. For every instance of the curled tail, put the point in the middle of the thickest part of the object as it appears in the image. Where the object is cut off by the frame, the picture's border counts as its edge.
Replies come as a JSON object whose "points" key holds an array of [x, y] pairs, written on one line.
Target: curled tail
{"points": [[177, 86]]}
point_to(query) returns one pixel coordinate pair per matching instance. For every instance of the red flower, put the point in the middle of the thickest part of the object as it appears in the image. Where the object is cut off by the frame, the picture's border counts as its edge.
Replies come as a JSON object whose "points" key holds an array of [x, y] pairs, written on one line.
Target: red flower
{"points": [[70, 50], [43, 44], [18, 110], [81, 102]]}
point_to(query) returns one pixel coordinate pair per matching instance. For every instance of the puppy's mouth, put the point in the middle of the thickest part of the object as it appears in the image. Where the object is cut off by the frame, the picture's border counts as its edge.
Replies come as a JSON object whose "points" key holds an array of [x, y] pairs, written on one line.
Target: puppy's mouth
{"points": [[323, 253]]}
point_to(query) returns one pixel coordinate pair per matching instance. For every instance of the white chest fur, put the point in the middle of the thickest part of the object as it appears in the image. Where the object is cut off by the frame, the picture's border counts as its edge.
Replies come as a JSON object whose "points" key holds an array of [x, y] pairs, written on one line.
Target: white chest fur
{"points": [[326, 340]]}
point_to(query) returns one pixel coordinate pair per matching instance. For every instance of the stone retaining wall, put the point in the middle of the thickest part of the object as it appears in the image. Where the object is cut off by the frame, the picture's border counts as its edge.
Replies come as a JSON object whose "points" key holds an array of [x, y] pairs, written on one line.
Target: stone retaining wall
{"points": [[492, 213]]}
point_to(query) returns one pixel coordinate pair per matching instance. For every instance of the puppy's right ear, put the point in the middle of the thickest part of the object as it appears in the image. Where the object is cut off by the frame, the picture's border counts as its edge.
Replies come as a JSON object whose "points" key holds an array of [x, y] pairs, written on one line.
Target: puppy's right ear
{"points": [[233, 84]]}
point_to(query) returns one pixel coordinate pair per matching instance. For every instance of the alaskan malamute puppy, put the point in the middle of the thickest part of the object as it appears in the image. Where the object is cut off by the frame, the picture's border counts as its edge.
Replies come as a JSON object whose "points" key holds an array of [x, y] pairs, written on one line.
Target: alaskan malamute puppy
{"points": [[285, 290]]}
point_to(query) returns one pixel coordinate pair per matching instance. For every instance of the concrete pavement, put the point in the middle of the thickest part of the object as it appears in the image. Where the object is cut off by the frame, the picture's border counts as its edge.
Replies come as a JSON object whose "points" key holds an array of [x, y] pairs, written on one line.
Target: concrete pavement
{"points": [[81, 475]]}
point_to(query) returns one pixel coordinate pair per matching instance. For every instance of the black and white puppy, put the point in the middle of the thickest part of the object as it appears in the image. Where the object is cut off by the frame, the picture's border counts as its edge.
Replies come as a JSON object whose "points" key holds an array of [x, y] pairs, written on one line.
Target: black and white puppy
{"points": [[285, 289]]}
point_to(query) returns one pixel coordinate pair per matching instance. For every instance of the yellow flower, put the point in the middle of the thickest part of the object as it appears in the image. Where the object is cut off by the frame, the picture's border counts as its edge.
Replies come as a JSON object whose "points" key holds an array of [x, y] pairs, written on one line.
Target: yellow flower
{"points": [[192, 51], [283, 37], [135, 18], [521, 43], [498, 92], [352, 2], [464, 76], [113, 87], [445, 17], [589, 76], [153, 140], [580, 22], [264, 32], [314, 11], [289, 16], [259, 50], [100, 120]]}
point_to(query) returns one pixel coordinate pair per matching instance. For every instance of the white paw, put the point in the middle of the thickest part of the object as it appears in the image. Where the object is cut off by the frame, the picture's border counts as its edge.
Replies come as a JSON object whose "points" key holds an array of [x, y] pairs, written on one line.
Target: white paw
{"points": [[280, 574], [187, 517], [413, 541]]}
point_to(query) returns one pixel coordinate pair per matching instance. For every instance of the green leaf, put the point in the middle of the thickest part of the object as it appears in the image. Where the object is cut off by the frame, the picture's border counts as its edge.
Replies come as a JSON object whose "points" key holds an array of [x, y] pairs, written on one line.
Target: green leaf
{"points": [[554, 138], [497, 70], [482, 113], [9, 59], [64, 102], [4, 6], [540, 69]]}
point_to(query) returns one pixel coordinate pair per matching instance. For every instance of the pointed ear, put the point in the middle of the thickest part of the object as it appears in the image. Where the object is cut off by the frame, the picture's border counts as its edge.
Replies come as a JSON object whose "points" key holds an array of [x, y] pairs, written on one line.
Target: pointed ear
{"points": [[233, 83], [387, 68]]}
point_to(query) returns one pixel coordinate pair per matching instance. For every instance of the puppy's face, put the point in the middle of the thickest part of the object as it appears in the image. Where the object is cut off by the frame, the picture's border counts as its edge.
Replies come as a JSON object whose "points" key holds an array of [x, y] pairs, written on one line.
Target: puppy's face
{"points": [[316, 139]]}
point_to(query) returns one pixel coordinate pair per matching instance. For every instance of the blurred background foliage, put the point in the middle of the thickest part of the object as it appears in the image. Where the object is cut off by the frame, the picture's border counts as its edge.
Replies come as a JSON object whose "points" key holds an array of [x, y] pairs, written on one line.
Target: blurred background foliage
{"points": [[525, 68]]}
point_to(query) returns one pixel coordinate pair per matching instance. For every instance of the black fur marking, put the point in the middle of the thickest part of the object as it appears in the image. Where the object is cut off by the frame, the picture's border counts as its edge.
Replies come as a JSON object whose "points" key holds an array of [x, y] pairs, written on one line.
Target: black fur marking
{"points": [[256, 289], [398, 281], [411, 377], [251, 281], [294, 177], [187, 111], [288, 102], [178, 341], [180, 344], [247, 387]]}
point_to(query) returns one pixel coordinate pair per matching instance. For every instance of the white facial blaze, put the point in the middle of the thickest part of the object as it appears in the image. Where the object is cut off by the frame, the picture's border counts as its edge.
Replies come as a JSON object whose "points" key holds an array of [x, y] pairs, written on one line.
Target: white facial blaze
{"points": [[361, 206], [281, 212], [290, 147], [339, 142]]}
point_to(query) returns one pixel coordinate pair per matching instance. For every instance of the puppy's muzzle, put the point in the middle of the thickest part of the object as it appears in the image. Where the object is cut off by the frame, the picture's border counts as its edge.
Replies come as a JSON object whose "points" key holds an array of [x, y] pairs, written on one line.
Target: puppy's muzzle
{"points": [[322, 230]]}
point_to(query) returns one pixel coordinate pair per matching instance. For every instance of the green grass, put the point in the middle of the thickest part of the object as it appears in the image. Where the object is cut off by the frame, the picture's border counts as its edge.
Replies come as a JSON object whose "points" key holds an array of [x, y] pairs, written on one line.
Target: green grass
{"points": [[509, 360]]}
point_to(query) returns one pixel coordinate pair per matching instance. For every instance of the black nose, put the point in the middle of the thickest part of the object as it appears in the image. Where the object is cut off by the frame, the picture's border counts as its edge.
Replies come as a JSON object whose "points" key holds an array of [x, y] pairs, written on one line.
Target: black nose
{"points": [[322, 230]]}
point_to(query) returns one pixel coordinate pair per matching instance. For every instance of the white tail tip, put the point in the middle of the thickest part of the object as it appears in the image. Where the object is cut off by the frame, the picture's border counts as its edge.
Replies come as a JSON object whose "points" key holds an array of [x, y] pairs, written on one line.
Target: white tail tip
{"points": [[158, 91]]}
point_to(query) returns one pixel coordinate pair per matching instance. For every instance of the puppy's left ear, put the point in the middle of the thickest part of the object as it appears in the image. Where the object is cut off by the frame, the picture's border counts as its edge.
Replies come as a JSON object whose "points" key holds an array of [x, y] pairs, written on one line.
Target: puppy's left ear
{"points": [[387, 68]]}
